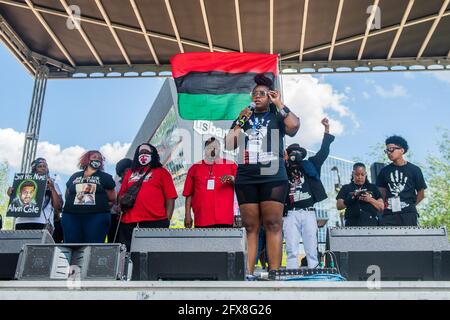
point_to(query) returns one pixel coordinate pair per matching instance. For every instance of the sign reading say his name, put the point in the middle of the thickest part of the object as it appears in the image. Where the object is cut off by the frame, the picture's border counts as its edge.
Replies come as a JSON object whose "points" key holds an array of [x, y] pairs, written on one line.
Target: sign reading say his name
{"points": [[27, 197]]}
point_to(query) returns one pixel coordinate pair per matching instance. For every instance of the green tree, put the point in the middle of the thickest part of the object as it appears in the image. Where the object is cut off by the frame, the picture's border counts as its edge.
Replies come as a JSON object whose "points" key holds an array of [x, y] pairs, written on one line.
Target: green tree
{"points": [[436, 209], [4, 169]]}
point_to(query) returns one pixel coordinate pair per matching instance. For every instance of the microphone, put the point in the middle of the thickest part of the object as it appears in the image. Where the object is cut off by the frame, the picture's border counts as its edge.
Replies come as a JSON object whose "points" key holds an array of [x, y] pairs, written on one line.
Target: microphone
{"points": [[244, 119]]}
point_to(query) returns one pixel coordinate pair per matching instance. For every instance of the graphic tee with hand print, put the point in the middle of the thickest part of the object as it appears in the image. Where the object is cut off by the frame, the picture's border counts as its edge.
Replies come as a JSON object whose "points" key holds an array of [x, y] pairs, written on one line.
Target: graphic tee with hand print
{"points": [[403, 182]]}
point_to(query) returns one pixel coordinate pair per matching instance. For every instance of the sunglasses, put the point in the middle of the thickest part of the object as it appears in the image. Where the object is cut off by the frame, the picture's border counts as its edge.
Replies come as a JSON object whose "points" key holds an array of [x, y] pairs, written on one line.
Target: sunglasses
{"points": [[260, 93], [390, 150]]}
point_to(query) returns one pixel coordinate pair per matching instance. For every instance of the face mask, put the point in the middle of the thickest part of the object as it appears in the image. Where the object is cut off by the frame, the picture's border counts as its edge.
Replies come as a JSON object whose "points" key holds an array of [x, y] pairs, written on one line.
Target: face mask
{"points": [[95, 164], [144, 159], [211, 155]]}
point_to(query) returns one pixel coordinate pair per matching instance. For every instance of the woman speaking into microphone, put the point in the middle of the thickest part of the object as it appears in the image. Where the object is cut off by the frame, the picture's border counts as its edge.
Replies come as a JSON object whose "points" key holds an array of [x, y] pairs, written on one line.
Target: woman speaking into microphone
{"points": [[261, 181]]}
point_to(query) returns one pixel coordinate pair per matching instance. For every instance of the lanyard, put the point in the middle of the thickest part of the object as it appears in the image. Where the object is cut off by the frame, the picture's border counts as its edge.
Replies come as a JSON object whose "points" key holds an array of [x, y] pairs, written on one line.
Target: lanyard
{"points": [[210, 167]]}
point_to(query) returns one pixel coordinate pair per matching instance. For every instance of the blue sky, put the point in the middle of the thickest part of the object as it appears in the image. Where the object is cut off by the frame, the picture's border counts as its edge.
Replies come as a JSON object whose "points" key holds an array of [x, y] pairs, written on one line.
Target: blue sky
{"points": [[414, 113], [365, 108]]}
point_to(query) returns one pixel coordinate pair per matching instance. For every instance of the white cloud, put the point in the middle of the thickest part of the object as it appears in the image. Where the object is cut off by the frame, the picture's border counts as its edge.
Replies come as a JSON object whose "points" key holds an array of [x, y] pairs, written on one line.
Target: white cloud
{"points": [[396, 91], [442, 75], [115, 151], [60, 161], [365, 95], [310, 99], [11, 146]]}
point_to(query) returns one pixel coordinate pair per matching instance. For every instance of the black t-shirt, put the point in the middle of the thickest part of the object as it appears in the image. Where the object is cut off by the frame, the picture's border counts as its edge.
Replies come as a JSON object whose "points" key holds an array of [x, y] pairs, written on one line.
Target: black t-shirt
{"points": [[88, 195], [300, 195], [260, 158], [401, 181], [358, 207]]}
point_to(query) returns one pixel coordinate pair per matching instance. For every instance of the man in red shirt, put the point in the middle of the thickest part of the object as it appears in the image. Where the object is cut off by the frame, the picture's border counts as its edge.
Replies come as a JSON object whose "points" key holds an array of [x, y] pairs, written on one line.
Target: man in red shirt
{"points": [[209, 190]]}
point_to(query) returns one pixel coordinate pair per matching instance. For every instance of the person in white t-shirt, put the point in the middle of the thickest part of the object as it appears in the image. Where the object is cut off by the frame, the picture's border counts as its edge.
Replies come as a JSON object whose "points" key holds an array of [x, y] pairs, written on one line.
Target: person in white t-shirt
{"points": [[52, 202]]}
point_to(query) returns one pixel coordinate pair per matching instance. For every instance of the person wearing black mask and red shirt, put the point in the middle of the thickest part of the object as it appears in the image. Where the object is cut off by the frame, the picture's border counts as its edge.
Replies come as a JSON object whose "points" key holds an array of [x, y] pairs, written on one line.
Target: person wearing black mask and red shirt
{"points": [[90, 195], [155, 200], [361, 199]]}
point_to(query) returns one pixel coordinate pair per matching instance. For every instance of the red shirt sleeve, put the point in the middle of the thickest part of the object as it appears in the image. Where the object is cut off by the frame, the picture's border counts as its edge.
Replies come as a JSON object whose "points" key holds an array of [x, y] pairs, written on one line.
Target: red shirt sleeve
{"points": [[189, 183], [124, 185], [167, 185]]}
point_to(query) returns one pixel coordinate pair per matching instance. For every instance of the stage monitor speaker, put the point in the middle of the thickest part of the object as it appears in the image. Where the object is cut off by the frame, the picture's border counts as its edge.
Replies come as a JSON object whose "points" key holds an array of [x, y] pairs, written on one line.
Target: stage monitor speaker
{"points": [[72, 261], [11, 242], [375, 169], [397, 253], [189, 254]]}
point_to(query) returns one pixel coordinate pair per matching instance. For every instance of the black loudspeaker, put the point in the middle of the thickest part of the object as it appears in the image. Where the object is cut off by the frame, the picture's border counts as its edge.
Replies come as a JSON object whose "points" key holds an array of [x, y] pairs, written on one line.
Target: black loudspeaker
{"points": [[189, 254], [375, 169], [11, 242], [397, 253], [72, 261]]}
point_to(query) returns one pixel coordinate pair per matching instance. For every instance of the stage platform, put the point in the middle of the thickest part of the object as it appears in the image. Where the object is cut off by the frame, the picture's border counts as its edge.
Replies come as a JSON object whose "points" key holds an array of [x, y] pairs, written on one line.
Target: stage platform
{"points": [[222, 290]]}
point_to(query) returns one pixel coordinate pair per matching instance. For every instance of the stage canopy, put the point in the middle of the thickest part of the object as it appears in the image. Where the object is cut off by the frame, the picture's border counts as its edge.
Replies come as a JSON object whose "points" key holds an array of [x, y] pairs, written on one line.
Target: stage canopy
{"points": [[137, 37]]}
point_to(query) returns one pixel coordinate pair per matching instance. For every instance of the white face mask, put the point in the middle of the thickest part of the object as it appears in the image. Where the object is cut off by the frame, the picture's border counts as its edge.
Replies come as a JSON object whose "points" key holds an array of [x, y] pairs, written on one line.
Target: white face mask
{"points": [[144, 159]]}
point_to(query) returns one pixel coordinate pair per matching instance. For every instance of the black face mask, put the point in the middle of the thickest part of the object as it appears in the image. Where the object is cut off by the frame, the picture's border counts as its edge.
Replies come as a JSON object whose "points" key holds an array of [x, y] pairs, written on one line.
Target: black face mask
{"points": [[95, 164], [295, 158]]}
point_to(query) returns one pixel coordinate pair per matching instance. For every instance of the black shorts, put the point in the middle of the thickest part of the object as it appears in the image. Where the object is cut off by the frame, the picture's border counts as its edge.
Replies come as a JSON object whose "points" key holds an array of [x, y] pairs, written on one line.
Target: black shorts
{"points": [[259, 192]]}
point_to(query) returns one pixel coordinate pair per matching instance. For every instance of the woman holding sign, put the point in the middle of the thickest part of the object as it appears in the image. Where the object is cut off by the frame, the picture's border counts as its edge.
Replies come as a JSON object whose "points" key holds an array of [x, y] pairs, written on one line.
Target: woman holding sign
{"points": [[261, 181], [52, 201]]}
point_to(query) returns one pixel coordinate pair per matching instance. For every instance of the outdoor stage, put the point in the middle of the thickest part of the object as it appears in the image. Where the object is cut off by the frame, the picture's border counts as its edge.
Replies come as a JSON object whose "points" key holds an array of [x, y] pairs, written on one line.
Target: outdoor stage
{"points": [[224, 290]]}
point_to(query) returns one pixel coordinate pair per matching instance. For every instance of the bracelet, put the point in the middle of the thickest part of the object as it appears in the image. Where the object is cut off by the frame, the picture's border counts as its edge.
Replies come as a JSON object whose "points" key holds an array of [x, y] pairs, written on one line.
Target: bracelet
{"points": [[284, 111]]}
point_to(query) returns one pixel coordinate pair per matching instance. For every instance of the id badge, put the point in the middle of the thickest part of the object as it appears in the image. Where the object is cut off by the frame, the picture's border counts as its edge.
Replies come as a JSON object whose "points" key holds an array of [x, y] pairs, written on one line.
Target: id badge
{"points": [[210, 184], [253, 146], [396, 205]]}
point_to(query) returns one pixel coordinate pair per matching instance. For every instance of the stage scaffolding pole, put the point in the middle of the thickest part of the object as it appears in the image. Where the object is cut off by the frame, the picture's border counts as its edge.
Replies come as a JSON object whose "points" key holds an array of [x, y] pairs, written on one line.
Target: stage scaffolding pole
{"points": [[34, 118]]}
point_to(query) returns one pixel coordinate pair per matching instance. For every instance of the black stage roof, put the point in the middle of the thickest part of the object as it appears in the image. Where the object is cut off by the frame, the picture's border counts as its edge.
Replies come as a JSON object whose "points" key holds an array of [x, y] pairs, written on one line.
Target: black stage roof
{"points": [[138, 37]]}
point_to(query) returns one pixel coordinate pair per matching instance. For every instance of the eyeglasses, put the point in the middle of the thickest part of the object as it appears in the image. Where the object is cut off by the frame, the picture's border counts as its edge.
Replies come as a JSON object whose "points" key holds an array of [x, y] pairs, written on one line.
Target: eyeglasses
{"points": [[390, 150], [260, 93]]}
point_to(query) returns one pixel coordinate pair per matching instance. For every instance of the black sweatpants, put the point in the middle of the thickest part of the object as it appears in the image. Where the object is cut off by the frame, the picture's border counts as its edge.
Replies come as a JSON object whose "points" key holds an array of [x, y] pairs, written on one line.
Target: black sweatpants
{"points": [[113, 228], [363, 220], [399, 219]]}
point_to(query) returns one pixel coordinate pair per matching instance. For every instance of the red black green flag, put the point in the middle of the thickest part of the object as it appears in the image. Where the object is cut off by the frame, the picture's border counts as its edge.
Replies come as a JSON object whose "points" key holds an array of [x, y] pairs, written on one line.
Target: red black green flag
{"points": [[217, 85]]}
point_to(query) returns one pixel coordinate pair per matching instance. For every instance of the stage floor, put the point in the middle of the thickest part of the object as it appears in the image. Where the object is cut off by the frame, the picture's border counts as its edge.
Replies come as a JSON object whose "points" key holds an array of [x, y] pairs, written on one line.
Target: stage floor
{"points": [[222, 290]]}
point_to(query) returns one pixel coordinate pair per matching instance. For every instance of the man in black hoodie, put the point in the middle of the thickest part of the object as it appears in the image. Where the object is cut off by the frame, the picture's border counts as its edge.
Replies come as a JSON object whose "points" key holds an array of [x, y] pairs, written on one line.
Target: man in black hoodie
{"points": [[306, 189]]}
